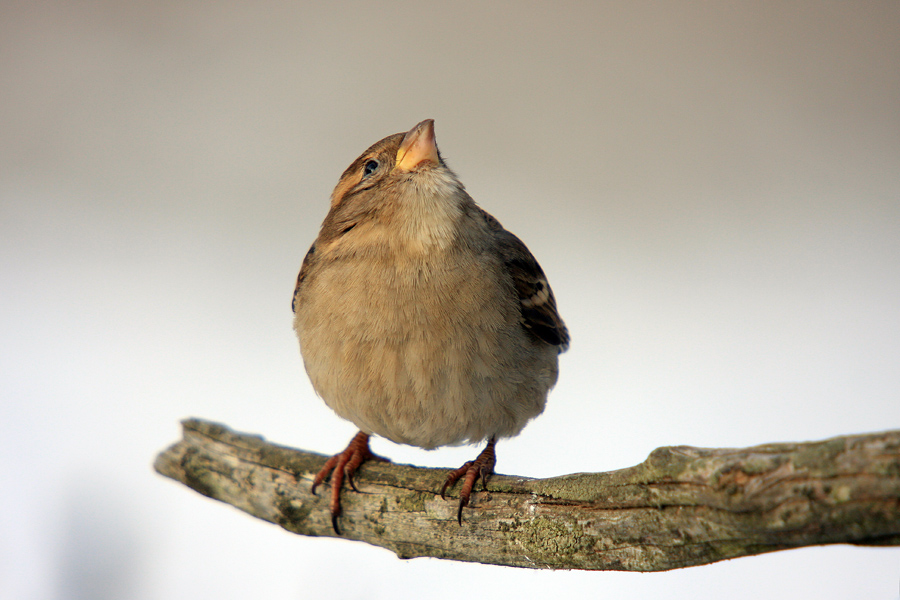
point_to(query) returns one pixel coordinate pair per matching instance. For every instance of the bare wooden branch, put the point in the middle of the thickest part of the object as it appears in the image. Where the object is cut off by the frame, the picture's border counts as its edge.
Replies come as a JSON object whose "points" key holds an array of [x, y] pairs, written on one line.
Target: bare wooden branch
{"points": [[682, 506]]}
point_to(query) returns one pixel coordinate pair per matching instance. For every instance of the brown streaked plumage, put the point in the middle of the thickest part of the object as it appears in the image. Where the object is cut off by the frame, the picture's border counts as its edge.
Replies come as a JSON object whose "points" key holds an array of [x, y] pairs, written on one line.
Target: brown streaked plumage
{"points": [[420, 318]]}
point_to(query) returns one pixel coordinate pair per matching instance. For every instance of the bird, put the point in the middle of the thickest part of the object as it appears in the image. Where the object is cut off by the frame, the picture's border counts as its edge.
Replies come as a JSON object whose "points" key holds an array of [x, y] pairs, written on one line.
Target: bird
{"points": [[420, 318]]}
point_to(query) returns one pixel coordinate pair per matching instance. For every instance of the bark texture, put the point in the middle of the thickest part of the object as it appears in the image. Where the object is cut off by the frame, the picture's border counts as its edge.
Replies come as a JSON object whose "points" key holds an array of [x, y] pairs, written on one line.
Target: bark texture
{"points": [[683, 506]]}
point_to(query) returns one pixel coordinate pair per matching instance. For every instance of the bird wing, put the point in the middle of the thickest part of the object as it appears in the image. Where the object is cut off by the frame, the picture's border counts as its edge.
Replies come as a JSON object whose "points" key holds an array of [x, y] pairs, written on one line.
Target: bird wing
{"points": [[304, 269], [538, 305]]}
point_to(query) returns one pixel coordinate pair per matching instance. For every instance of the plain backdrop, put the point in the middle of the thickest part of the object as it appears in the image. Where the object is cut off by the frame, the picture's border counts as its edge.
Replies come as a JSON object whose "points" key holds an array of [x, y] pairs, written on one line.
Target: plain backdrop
{"points": [[713, 189]]}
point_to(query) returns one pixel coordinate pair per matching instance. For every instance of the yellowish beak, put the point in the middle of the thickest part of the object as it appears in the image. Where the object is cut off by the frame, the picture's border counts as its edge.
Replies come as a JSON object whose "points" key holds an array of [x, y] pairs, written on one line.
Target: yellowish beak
{"points": [[418, 146]]}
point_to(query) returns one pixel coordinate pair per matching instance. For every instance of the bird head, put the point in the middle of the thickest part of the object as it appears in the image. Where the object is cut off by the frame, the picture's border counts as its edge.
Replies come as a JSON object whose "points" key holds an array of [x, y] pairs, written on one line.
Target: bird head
{"points": [[399, 191]]}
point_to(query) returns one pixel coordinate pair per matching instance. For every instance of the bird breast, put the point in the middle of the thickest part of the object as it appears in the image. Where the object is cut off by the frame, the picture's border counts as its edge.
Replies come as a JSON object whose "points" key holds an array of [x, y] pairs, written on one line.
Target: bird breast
{"points": [[424, 348]]}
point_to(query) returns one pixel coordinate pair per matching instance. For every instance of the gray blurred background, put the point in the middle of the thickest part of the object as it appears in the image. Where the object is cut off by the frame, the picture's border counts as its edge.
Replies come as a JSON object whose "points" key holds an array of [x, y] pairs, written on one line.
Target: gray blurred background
{"points": [[712, 188]]}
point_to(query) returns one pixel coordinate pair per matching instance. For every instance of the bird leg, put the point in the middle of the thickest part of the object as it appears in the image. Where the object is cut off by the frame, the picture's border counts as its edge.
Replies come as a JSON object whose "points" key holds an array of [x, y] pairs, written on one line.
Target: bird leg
{"points": [[344, 465], [482, 467]]}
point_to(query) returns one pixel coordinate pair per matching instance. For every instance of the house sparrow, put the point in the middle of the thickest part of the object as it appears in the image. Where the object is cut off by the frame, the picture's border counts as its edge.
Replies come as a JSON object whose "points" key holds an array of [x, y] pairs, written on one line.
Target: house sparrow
{"points": [[420, 318]]}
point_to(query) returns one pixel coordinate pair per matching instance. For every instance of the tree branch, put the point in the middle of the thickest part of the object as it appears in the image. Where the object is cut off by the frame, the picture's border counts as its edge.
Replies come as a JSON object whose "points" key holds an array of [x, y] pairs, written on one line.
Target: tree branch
{"points": [[681, 507]]}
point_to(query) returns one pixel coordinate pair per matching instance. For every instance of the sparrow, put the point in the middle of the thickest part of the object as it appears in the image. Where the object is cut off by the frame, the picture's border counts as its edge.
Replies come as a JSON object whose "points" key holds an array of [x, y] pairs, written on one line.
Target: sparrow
{"points": [[420, 318]]}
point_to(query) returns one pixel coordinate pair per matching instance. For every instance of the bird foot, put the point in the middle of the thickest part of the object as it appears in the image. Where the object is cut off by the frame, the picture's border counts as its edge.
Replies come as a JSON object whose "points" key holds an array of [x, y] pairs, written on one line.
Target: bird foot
{"points": [[483, 467], [344, 465]]}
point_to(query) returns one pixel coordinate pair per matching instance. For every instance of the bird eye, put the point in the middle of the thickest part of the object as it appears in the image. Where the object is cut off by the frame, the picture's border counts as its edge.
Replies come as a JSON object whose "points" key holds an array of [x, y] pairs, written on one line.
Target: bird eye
{"points": [[370, 168]]}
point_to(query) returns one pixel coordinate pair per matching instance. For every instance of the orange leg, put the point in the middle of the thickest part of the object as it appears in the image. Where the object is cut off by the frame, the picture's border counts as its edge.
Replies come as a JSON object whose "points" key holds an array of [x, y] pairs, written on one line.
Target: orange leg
{"points": [[344, 465], [482, 467]]}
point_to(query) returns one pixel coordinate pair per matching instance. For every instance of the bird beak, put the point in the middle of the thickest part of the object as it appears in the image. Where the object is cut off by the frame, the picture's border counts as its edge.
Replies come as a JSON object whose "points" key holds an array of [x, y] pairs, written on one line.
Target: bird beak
{"points": [[418, 146]]}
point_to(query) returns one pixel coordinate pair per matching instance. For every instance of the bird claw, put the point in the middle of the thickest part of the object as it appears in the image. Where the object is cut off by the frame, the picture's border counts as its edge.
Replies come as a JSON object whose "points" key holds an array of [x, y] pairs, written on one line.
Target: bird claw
{"points": [[334, 523], [482, 467], [350, 481], [341, 466]]}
